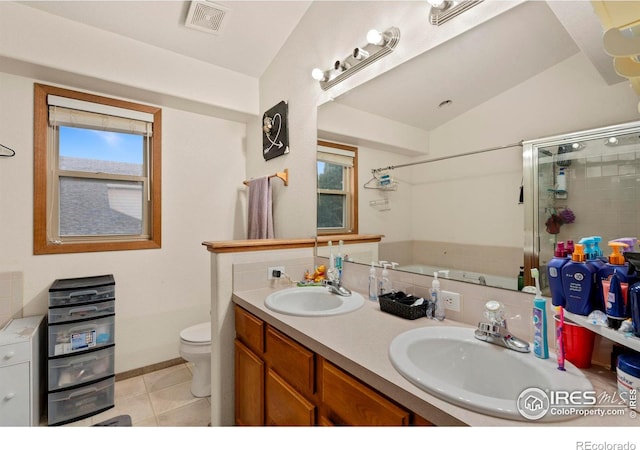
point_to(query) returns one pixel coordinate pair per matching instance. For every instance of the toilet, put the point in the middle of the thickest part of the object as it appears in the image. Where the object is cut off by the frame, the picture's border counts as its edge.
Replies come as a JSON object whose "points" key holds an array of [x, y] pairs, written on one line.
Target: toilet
{"points": [[195, 347]]}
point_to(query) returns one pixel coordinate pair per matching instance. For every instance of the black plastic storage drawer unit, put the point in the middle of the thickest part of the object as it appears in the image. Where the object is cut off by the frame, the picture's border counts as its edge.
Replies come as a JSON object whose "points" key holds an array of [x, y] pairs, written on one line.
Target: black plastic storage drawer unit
{"points": [[81, 347]]}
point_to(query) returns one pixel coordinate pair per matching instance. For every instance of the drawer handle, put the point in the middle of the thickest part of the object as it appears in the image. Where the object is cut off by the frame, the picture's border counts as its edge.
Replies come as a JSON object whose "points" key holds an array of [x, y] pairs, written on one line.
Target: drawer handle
{"points": [[82, 392], [89, 327], [10, 355], [81, 361], [83, 293], [82, 310], [9, 396]]}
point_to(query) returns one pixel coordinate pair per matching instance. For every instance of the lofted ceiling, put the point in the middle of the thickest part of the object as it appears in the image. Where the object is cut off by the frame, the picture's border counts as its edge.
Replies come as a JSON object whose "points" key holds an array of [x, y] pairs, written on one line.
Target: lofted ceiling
{"points": [[251, 32], [483, 62], [468, 69]]}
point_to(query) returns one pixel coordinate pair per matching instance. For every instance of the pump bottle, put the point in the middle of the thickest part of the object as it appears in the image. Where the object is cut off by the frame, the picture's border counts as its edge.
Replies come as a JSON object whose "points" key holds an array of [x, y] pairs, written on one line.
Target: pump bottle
{"points": [[578, 283], [385, 282], [373, 284], [436, 298], [617, 263]]}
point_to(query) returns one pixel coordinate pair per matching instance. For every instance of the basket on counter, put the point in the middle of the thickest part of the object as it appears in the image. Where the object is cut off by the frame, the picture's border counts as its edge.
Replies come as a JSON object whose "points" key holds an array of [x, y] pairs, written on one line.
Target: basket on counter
{"points": [[391, 303]]}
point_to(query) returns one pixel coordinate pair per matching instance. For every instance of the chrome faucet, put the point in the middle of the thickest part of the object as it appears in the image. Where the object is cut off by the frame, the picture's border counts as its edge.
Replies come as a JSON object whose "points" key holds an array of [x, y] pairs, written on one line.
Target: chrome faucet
{"points": [[495, 330], [336, 287]]}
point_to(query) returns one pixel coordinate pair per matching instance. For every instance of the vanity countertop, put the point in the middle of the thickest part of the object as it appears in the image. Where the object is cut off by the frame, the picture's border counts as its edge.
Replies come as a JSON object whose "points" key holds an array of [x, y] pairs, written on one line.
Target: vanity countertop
{"points": [[359, 342]]}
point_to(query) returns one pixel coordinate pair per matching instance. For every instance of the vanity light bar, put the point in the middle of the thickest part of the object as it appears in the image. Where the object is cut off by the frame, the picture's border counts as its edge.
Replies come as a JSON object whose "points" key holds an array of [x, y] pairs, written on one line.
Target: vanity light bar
{"points": [[450, 9], [362, 57]]}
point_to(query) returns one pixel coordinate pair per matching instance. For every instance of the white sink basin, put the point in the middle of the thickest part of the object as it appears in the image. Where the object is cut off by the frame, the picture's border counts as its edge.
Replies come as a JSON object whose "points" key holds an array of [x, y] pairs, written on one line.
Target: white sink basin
{"points": [[450, 363], [312, 301]]}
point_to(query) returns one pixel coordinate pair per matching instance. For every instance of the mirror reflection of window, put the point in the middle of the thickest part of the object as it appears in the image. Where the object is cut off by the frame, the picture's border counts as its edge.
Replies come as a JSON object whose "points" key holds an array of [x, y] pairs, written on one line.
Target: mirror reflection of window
{"points": [[337, 189]]}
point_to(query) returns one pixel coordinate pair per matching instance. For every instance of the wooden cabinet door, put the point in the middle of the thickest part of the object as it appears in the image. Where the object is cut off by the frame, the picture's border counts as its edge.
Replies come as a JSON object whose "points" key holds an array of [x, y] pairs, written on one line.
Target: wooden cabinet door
{"points": [[284, 405], [249, 386], [290, 360], [347, 401], [249, 330]]}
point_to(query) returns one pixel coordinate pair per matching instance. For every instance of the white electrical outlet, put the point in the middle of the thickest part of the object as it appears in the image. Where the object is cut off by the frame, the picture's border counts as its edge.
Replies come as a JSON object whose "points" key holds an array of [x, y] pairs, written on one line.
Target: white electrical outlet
{"points": [[270, 272], [452, 300]]}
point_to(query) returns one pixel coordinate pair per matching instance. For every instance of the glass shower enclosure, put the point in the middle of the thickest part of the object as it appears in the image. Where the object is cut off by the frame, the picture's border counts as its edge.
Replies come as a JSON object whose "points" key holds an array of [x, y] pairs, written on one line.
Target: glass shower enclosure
{"points": [[580, 185]]}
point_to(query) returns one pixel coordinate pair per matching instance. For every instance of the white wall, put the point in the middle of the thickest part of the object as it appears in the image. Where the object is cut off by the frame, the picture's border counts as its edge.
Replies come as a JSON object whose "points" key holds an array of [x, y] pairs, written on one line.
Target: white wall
{"points": [[478, 194], [35, 42], [158, 292]]}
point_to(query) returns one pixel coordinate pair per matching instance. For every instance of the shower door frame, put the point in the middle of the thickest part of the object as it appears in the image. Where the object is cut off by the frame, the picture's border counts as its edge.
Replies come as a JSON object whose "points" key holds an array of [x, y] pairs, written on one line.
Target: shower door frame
{"points": [[530, 162]]}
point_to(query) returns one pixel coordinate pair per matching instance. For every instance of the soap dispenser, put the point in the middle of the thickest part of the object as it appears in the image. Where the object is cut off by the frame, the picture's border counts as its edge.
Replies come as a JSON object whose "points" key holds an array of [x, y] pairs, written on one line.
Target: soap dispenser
{"points": [[373, 284], [436, 298], [385, 282]]}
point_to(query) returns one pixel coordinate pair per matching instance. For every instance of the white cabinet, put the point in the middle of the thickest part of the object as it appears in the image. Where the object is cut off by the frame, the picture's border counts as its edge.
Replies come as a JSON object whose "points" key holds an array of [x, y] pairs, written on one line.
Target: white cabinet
{"points": [[21, 356]]}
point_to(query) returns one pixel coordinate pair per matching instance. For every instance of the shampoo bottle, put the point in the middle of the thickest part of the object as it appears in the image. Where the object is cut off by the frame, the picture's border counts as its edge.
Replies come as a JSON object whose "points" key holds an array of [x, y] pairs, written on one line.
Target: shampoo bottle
{"points": [[436, 298], [540, 344], [578, 283], [616, 309], [373, 284], [554, 268], [616, 263]]}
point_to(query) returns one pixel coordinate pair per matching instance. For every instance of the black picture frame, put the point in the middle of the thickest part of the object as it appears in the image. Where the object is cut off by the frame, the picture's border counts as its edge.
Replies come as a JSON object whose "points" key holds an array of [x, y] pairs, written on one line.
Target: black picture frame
{"points": [[275, 131]]}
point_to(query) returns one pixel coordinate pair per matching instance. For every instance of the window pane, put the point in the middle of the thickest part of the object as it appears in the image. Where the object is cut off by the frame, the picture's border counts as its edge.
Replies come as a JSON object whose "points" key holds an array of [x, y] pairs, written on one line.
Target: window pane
{"points": [[94, 207], [331, 211], [101, 151], [330, 176]]}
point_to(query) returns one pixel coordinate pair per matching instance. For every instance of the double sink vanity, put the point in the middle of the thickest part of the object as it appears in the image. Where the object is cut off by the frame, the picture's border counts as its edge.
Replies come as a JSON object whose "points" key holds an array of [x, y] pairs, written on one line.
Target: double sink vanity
{"points": [[306, 356]]}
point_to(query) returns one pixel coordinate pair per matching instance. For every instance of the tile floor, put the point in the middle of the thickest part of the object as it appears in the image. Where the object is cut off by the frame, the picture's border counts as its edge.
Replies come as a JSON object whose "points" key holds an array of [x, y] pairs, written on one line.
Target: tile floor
{"points": [[158, 399]]}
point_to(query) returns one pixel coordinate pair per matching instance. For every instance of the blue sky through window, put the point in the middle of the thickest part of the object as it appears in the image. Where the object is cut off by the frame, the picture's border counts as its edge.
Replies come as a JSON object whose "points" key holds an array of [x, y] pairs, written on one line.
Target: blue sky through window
{"points": [[101, 145]]}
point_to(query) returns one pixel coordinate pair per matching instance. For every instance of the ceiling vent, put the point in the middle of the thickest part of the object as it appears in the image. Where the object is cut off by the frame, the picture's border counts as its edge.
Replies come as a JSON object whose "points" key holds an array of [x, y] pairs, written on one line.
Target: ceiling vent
{"points": [[206, 16]]}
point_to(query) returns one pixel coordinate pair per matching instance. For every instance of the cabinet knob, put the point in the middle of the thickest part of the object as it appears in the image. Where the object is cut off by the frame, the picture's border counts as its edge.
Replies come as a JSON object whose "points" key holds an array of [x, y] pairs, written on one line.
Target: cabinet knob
{"points": [[9, 355], [9, 396]]}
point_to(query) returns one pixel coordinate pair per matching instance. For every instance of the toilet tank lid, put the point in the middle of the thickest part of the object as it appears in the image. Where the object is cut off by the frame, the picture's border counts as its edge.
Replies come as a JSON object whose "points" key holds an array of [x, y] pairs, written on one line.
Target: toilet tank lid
{"points": [[197, 333]]}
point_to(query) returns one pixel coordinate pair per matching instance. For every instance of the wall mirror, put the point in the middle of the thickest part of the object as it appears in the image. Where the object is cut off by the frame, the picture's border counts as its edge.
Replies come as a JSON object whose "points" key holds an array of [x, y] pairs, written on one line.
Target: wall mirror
{"points": [[582, 185], [465, 109]]}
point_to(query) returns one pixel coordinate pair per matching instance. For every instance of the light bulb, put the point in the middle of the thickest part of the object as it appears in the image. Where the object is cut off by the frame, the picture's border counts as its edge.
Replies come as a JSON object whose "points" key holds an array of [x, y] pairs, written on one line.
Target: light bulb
{"points": [[318, 74], [375, 37], [438, 4]]}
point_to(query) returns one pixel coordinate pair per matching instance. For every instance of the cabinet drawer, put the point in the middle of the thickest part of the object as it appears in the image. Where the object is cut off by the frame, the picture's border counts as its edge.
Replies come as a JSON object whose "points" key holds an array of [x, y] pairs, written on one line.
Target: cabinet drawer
{"points": [[82, 368], [284, 405], [250, 330], [290, 360], [74, 404], [15, 396], [70, 291], [79, 336], [82, 312], [14, 353], [352, 403]]}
